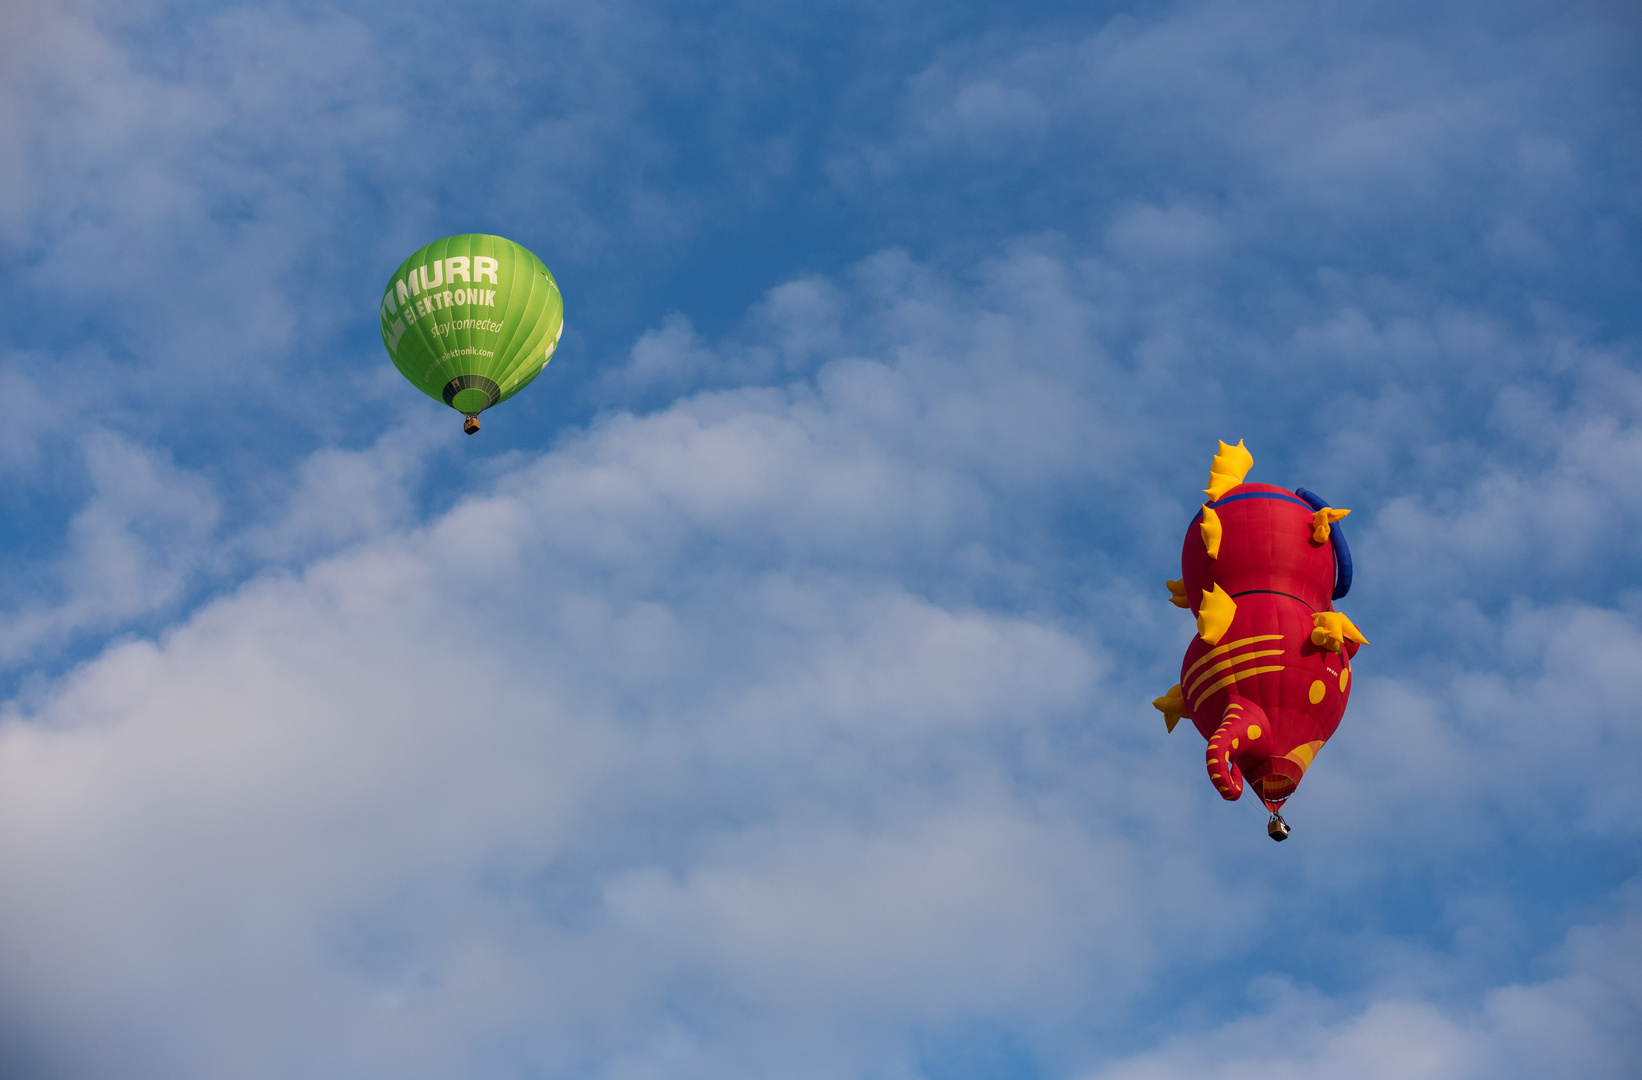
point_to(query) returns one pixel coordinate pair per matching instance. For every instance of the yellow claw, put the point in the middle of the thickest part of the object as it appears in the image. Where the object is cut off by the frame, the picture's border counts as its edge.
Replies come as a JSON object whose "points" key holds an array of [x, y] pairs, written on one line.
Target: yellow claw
{"points": [[1177, 593], [1210, 528], [1331, 629], [1227, 469], [1215, 615], [1320, 522], [1172, 705]]}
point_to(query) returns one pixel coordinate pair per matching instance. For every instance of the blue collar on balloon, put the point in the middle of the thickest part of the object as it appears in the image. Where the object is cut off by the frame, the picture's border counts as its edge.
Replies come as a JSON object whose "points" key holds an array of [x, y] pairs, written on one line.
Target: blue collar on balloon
{"points": [[1342, 553]]}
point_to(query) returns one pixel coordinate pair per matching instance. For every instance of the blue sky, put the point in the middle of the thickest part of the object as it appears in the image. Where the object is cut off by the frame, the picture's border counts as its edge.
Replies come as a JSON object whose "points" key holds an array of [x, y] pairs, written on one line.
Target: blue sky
{"points": [[765, 692]]}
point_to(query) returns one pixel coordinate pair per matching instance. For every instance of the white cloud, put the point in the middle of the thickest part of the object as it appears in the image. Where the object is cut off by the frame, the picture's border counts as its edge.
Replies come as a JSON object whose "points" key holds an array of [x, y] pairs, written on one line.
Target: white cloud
{"points": [[1145, 234], [1359, 138], [1583, 1023], [414, 739], [340, 496], [989, 117], [132, 548]]}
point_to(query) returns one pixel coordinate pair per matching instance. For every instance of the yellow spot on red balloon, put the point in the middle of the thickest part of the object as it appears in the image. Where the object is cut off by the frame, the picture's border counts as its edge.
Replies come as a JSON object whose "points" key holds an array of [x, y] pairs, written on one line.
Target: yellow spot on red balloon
{"points": [[1345, 679], [1254, 731], [1317, 691], [1234, 744]]}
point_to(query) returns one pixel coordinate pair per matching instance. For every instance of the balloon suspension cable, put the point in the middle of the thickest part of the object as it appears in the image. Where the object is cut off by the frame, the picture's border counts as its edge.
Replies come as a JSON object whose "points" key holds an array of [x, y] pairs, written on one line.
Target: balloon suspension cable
{"points": [[471, 425], [1277, 828]]}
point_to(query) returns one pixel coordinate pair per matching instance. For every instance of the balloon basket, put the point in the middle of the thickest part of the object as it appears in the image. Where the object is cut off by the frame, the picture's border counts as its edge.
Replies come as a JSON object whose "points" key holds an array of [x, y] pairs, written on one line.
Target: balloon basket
{"points": [[1277, 828], [471, 425]]}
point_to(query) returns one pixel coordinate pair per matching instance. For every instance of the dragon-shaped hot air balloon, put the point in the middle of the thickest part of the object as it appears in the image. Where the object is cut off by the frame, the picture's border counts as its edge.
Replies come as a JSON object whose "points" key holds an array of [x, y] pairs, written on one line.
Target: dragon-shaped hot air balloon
{"points": [[1267, 677]]}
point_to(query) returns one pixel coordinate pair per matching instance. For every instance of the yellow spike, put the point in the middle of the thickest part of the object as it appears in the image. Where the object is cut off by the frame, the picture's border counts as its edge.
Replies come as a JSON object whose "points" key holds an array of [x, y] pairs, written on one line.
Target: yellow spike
{"points": [[1320, 522], [1172, 705], [1227, 469], [1215, 615], [1331, 629], [1177, 593], [1210, 528]]}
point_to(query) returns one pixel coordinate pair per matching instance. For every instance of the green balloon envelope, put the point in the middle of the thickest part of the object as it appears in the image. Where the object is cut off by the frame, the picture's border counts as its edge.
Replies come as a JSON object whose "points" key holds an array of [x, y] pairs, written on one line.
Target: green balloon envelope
{"points": [[470, 320]]}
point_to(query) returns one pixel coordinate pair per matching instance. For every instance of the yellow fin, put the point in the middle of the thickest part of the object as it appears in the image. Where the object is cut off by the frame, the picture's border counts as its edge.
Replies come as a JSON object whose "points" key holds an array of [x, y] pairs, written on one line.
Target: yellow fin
{"points": [[1227, 469], [1172, 705], [1331, 629], [1177, 593], [1210, 528], [1320, 522], [1214, 618], [1304, 754]]}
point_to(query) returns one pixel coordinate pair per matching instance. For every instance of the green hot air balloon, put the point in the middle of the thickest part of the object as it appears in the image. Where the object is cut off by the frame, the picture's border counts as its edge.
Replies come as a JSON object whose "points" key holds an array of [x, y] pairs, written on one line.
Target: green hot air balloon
{"points": [[470, 320]]}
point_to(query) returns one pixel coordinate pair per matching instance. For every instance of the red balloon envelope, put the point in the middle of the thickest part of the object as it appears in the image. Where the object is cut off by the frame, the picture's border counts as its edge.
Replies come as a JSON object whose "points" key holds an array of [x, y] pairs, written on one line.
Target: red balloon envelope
{"points": [[1267, 678]]}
